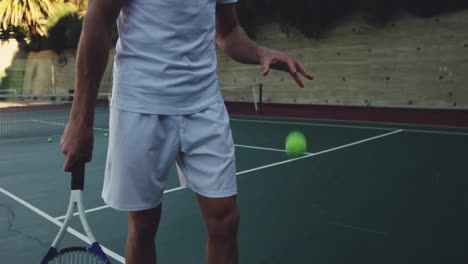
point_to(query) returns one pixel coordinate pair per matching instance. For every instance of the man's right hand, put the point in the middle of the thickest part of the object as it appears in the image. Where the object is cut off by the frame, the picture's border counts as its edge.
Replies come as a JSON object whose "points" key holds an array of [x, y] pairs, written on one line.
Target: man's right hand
{"points": [[77, 144], [91, 61]]}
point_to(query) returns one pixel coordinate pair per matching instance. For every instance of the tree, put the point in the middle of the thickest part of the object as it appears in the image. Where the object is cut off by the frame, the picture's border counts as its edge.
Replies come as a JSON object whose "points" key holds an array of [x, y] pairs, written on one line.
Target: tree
{"points": [[62, 27], [80, 4], [28, 13]]}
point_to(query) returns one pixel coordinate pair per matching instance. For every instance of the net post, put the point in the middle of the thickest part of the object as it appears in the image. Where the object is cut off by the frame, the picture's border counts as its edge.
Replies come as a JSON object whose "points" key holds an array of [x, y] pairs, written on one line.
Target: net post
{"points": [[260, 98]]}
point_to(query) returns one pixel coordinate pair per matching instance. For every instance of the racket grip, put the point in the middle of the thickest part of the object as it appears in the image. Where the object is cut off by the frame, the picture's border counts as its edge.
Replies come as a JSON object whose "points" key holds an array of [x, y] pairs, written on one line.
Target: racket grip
{"points": [[77, 176]]}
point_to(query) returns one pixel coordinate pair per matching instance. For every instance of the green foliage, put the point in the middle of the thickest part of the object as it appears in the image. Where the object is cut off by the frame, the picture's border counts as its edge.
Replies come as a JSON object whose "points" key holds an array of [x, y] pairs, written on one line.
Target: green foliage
{"points": [[63, 27], [80, 4], [24, 13], [64, 24], [54, 24]]}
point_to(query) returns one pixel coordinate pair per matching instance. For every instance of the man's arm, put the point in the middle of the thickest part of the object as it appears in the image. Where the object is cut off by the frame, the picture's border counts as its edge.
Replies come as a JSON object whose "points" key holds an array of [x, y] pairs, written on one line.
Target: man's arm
{"points": [[93, 53], [233, 40]]}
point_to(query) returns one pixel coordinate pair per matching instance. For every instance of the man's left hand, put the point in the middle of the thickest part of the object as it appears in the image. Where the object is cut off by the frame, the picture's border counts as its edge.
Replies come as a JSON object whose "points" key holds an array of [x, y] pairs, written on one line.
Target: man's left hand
{"points": [[272, 59]]}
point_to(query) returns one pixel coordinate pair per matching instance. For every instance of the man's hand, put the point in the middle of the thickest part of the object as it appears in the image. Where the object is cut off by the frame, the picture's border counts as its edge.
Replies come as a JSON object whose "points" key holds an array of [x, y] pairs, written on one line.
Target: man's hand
{"points": [[91, 61], [233, 40], [272, 59], [77, 144]]}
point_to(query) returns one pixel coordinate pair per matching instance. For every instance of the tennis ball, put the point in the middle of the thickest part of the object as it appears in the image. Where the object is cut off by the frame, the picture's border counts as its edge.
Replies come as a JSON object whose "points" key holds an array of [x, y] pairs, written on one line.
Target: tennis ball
{"points": [[296, 144], [106, 135], [49, 139]]}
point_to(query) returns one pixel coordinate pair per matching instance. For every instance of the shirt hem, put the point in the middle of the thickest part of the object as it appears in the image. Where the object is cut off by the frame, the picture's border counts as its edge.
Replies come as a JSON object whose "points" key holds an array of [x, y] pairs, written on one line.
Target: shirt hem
{"points": [[118, 104]]}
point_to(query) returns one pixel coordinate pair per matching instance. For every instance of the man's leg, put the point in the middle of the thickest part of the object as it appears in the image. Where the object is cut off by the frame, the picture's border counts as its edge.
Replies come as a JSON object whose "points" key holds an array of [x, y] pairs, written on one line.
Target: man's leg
{"points": [[142, 226], [142, 149], [221, 220]]}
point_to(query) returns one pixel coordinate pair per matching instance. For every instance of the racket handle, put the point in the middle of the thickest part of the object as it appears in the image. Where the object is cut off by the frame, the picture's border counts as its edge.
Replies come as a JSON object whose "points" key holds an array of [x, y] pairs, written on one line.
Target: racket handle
{"points": [[77, 176]]}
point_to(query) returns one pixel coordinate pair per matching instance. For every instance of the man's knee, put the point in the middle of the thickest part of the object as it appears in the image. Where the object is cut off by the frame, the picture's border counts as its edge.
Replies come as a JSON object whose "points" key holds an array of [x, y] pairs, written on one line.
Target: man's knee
{"points": [[141, 234], [142, 226], [222, 227]]}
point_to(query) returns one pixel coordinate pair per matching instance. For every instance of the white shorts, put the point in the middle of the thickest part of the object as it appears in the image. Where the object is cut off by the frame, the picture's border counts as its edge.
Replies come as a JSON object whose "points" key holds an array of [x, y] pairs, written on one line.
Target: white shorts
{"points": [[143, 148]]}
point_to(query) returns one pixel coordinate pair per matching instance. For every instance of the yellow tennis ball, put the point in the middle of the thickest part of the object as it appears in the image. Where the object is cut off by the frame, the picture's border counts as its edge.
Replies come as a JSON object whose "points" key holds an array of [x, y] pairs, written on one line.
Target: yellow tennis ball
{"points": [[296, 144]]}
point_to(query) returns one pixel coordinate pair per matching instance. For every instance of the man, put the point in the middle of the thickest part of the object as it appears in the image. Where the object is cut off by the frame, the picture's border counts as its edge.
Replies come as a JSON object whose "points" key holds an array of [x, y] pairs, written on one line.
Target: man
{"points": [[166, 106]]}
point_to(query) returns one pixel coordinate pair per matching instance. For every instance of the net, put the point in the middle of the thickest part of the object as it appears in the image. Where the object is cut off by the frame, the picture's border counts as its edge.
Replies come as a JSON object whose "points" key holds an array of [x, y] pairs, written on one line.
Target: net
{"points": [[9, 92], [244, 94], [27, 116]]}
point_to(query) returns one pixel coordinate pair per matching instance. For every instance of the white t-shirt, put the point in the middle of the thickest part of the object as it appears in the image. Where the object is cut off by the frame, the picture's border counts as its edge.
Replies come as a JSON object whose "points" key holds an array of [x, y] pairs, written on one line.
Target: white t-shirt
{"points": [[165, 59]]}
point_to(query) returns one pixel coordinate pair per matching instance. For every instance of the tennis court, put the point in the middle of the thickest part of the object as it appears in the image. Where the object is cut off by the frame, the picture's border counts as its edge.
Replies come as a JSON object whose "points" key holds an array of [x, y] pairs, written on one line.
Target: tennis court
{"points": [[364, 193]]}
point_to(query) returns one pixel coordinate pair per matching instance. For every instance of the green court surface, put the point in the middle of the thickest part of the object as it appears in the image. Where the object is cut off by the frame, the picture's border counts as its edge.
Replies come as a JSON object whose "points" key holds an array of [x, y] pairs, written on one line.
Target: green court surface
{"points": [[365, 193]]}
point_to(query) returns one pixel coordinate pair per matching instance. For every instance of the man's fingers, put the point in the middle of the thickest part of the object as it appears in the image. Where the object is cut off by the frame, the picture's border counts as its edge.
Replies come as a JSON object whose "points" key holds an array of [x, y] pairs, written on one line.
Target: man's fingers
{"points": [[293, 71], [291, 66], [297, 79], [302, 70], [69, 163], [72, 159], [287, 64], [265, 68], [77, 144]]}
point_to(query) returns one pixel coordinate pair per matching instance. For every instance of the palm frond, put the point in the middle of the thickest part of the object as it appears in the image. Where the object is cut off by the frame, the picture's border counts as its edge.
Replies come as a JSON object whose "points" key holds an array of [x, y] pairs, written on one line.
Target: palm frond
{"points": [[25, 12]]}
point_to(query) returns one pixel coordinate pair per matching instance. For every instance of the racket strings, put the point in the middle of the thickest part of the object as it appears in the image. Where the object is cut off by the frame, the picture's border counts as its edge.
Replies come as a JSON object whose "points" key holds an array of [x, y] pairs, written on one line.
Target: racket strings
{"points": [[77, 257]]}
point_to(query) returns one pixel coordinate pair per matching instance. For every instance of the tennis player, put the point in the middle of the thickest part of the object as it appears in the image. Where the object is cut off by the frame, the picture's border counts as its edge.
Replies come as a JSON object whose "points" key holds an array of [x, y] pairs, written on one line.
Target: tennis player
{"points": [[166, 107]]}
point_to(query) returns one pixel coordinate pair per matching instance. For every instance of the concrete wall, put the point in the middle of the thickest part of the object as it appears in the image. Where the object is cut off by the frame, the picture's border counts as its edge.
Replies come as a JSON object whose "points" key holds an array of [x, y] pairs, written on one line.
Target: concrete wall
{"points": [[412, 62], [12, 62], [45, 75], [41, 72]]}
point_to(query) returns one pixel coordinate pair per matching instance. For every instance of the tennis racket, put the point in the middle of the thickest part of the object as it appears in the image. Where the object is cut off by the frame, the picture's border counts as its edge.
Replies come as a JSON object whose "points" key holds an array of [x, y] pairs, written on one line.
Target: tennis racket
{"points": [[76, 255]]}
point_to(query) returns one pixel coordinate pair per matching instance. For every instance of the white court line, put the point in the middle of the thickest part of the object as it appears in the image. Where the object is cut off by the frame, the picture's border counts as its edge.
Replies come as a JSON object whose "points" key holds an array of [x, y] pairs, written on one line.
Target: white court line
{"points": [[351, 126], [262, 148], [333, 121], [436, 132], [86, 211], [103, 129], [63, 124], [59, 224], [303, 124], [309, 124], [106, 206], [358, 228], [282, 162], [321, 152]]}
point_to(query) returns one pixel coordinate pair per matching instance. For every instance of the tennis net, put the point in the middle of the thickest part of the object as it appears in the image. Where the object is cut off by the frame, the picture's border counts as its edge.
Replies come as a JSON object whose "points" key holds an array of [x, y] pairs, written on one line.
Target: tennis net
{"points": [[28, 116], [245, 94]]}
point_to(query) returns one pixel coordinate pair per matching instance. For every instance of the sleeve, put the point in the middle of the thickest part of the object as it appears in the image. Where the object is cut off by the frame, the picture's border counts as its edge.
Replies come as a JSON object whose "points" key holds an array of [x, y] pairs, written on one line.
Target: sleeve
{"points": [[222, 2]]}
